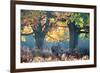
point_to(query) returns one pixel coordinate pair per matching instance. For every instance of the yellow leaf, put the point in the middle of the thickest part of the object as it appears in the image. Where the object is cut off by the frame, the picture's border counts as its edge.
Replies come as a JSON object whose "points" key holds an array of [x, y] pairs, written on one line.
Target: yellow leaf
{"points": [[27, 30]]}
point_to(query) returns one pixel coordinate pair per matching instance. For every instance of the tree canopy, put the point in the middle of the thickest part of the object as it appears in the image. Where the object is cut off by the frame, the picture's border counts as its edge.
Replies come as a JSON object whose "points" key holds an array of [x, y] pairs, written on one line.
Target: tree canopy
{"points": [[60, 20]]}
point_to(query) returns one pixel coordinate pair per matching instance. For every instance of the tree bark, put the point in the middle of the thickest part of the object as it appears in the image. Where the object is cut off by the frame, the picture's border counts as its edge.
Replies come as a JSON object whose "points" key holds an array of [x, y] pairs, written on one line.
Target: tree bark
{"points": [[73, 36], [39, 42]]}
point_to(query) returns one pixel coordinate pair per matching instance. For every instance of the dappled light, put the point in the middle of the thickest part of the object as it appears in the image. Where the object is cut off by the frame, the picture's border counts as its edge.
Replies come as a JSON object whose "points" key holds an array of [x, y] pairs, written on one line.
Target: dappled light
{"points": [[54, 36]]}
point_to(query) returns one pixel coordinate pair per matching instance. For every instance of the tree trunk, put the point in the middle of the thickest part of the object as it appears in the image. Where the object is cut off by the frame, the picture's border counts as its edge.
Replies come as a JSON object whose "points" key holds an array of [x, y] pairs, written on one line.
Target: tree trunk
{"points": [[39, 38], [39, 42], [73, 36]]}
